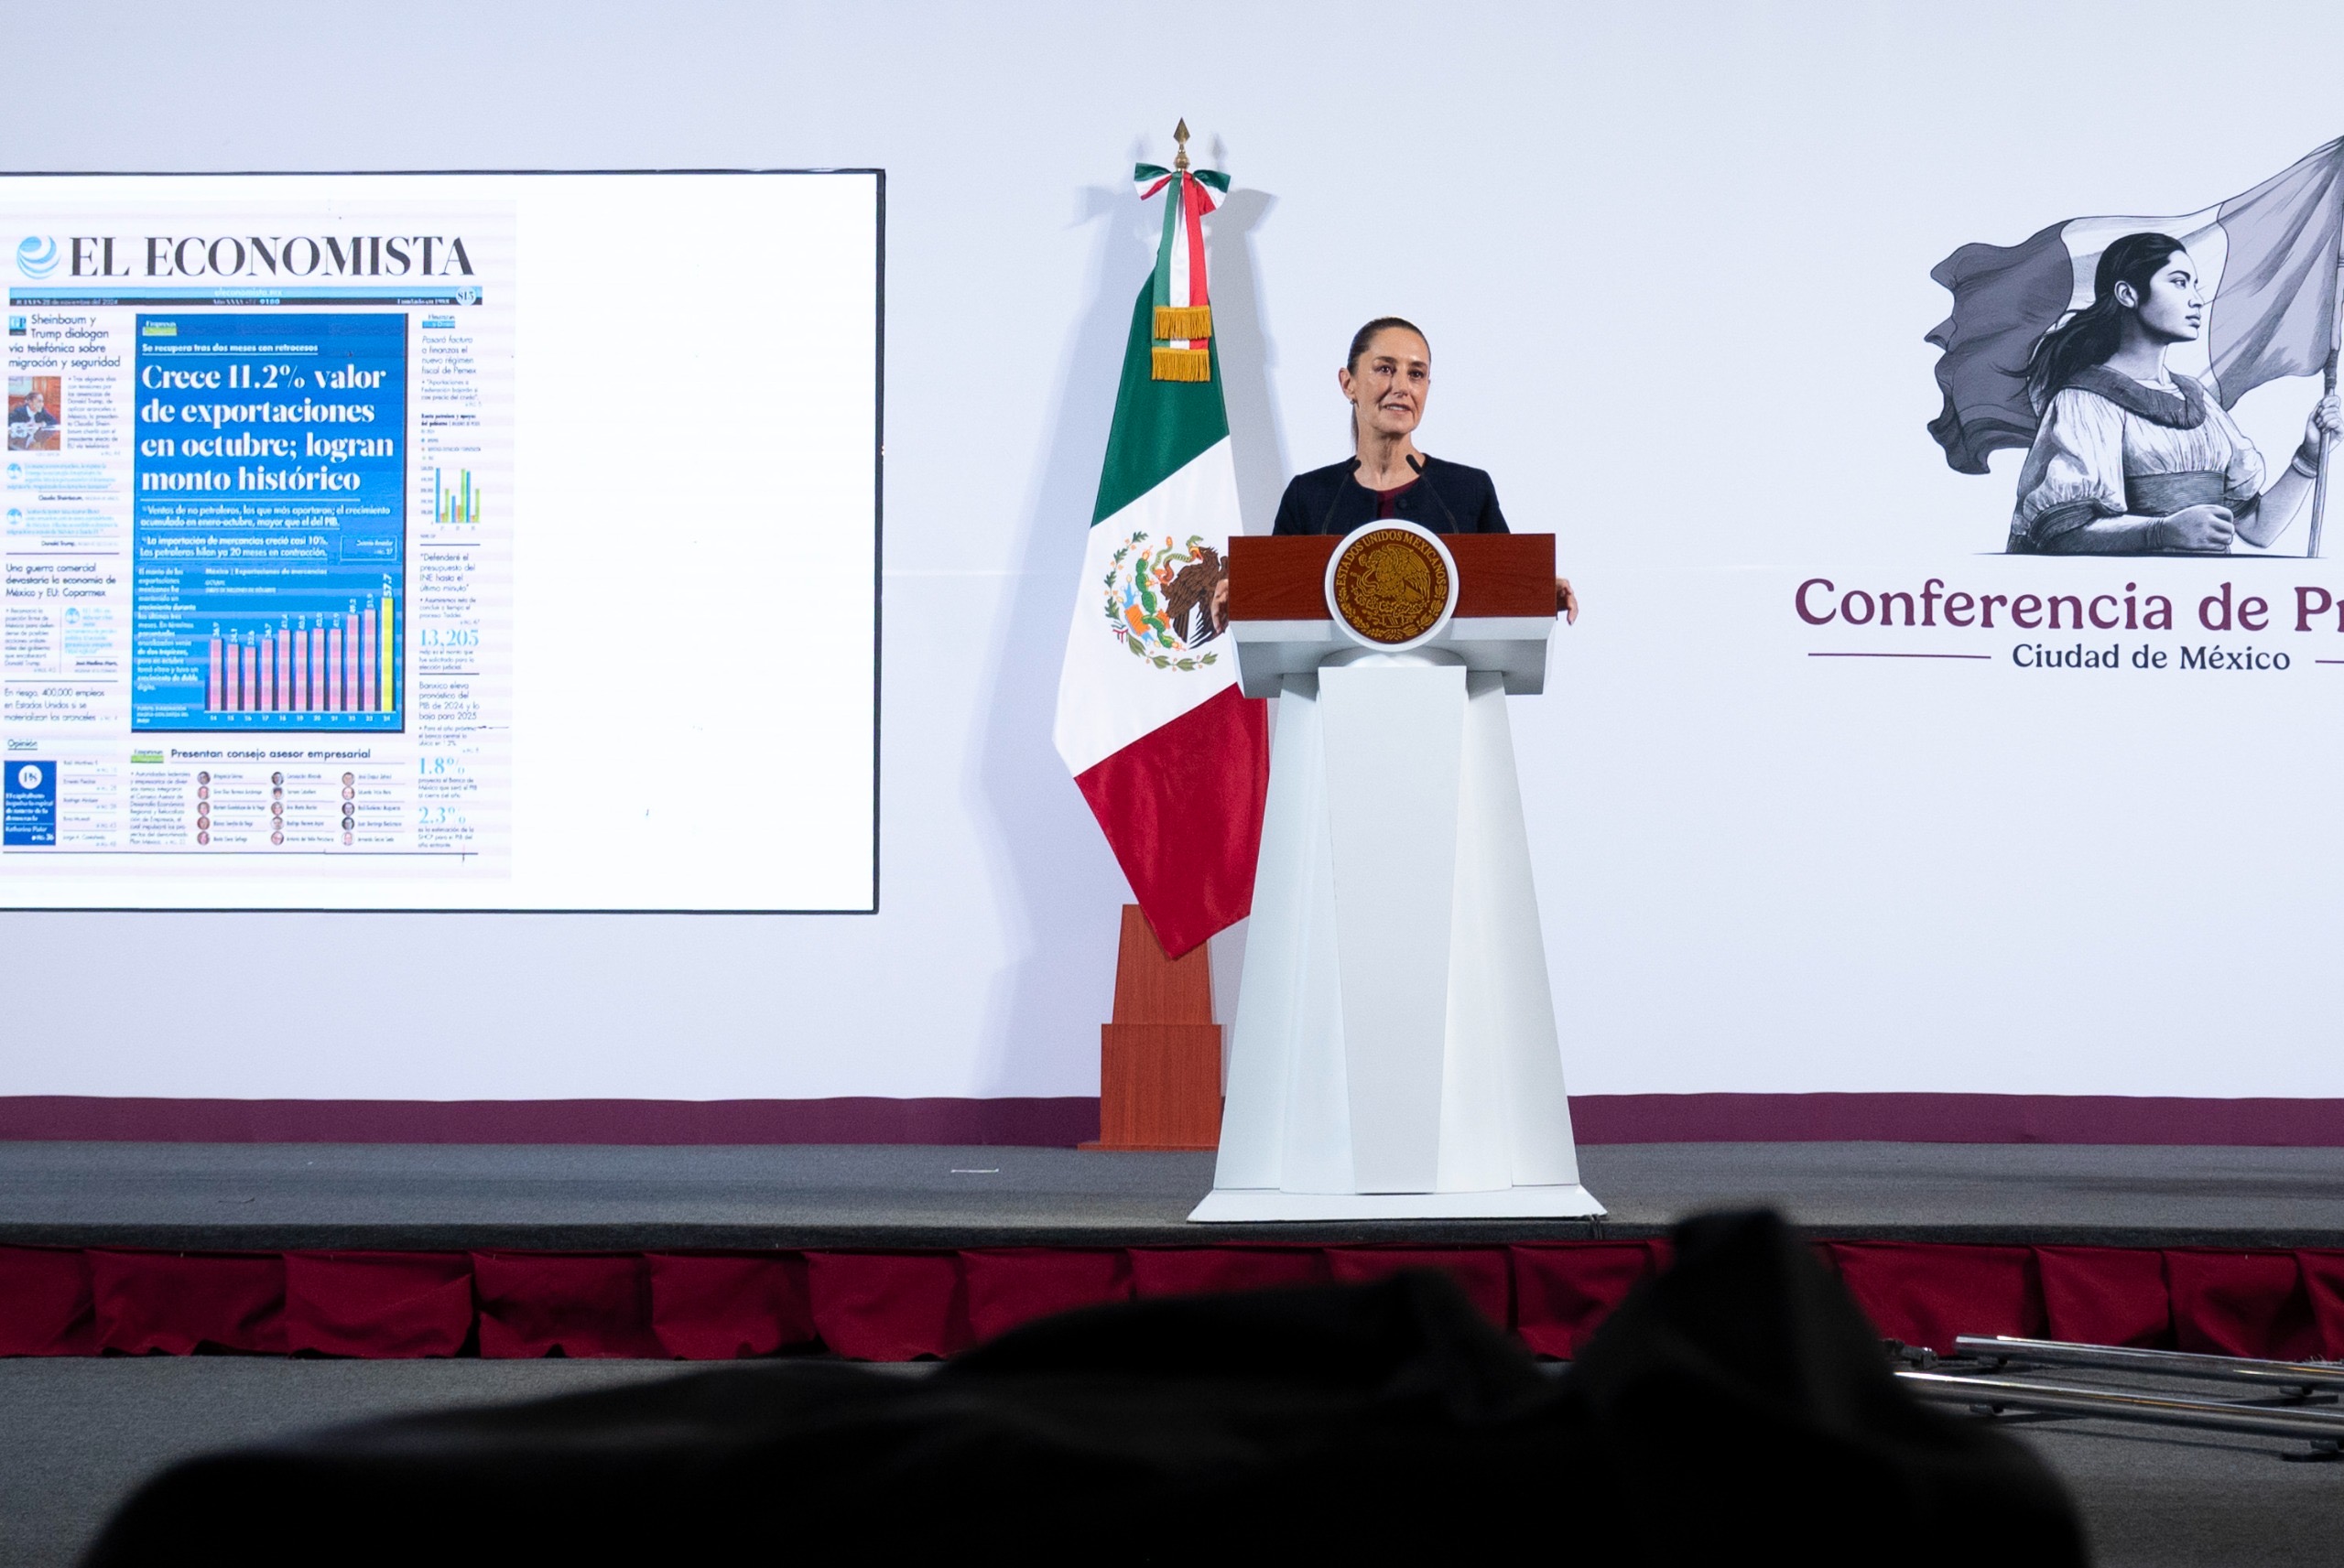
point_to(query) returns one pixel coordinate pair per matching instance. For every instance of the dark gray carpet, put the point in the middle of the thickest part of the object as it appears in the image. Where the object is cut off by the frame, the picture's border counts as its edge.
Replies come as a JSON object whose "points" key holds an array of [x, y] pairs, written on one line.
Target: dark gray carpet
{"points": [[288, 1196], [2164, 1497], [76, 1436], [2163, 1500]]}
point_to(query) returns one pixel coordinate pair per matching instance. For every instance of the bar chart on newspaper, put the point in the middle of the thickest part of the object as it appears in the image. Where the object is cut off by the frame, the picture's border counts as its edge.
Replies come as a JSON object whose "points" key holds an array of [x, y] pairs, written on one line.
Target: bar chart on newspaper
{"points": [[268, 564]]}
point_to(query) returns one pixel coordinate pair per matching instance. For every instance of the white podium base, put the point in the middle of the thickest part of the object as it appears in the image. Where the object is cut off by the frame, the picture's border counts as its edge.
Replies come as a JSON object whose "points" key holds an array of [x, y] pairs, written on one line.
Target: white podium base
{"points": [[1238, 1206], [1395, 1056]]}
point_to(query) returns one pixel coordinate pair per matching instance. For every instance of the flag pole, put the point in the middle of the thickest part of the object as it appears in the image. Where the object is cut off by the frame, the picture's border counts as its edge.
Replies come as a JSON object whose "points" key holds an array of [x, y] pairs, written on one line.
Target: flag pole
{"points": [[2327, 438]]}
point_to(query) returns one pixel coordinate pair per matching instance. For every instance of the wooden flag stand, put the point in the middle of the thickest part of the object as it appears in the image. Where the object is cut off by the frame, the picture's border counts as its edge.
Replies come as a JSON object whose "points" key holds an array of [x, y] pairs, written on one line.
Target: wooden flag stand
{"points": [[1159, 1061]]}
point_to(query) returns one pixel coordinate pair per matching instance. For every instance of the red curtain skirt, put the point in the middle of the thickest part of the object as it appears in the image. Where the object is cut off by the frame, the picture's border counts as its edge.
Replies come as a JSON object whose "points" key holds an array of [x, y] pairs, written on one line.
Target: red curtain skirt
{"points": [[896, 1307]]}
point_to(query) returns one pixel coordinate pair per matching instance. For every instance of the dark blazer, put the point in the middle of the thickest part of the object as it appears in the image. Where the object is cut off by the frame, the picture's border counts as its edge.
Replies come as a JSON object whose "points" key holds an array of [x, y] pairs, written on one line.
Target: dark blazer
{"points": [[1448, 498]]}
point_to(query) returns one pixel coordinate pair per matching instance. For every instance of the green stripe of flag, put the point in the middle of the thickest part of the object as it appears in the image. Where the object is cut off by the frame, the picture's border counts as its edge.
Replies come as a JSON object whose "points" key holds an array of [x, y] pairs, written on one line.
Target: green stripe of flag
{"points": [[1160, 425]]}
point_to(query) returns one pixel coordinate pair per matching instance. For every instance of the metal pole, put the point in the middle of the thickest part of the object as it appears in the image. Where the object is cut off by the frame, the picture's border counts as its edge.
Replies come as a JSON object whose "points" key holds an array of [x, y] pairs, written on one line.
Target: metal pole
{"points": [[2322, 1427], [2327, 440], [2319, 481], [2297, 1375]]}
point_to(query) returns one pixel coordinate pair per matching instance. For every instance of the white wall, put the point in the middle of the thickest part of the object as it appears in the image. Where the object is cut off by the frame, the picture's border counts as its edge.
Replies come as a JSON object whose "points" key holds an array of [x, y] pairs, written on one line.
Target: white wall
{"points": [[1674, 264]]}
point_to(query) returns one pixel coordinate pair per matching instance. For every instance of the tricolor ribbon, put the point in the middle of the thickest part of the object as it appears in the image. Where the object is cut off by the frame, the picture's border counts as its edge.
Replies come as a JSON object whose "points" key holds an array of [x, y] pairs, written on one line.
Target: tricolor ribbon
{"points": [[1183, 330]]}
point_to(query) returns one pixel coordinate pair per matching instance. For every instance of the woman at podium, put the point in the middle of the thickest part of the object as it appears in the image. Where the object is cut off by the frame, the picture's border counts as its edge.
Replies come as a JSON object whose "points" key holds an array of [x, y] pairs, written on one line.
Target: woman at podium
{"points": [[1386, 380]]}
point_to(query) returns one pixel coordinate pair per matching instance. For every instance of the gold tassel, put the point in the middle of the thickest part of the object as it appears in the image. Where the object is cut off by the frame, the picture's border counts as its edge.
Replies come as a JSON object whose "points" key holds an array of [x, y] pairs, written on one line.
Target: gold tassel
{"points": [[1180, 364], [1183, 321]]}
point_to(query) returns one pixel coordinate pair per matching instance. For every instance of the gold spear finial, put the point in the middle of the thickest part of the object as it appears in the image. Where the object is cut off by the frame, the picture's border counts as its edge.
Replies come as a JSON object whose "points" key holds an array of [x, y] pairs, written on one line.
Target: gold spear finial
{"points": [[1180, 135]]}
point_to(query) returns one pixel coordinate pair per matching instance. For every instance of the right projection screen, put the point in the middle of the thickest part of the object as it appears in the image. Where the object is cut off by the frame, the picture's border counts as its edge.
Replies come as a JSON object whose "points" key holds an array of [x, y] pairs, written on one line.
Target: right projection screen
{"points": [[498, 541]]}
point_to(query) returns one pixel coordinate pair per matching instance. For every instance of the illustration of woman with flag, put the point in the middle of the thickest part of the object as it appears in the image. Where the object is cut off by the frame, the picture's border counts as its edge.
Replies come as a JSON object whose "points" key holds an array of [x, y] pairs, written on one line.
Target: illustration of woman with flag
{"points": [[2131, 458]]}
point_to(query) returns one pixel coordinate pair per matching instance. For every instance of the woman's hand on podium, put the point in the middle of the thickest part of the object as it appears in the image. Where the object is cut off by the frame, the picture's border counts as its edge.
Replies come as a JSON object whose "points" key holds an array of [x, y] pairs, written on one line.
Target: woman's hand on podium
{"points": [[1566, 601]]}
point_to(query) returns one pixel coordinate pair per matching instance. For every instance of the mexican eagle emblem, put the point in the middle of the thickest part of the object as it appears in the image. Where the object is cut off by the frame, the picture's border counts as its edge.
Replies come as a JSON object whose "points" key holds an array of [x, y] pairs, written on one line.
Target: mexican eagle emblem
{"points": [[1165, 602]]}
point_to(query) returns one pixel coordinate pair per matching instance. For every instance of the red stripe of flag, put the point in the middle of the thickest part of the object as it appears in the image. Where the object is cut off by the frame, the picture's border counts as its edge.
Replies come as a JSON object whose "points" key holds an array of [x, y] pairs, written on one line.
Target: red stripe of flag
{"points": [[1192, 199], [1182, 808]]}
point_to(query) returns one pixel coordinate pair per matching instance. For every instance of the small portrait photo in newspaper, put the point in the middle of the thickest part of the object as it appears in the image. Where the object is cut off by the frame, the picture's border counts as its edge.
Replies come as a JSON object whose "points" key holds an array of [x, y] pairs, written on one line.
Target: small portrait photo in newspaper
{"points": [[36, 413]]}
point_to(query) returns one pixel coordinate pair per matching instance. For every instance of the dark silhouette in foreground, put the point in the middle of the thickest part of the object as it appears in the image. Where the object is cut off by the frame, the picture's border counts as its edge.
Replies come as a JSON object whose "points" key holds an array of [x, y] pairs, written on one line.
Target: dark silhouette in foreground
{"points": [[1735, 1408]]}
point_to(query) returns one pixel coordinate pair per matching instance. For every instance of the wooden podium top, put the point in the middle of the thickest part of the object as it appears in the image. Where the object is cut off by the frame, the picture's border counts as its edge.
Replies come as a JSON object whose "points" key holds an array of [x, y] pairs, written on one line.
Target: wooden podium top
{"points": [[1280, 618], [1274, 577]]}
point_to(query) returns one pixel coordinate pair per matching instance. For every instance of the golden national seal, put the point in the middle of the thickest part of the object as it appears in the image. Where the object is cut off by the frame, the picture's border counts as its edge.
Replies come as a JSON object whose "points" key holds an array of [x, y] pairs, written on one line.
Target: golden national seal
{"points": [[1391, 586]]}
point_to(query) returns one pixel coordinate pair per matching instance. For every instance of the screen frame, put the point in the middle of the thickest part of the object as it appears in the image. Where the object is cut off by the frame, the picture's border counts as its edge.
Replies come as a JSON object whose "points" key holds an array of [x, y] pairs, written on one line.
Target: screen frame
{"points": [[878, 532]]}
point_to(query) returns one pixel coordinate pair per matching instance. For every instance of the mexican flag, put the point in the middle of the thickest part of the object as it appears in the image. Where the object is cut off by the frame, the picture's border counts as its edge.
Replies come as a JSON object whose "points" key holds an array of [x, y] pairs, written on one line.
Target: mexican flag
{"points": [[1173, 761]]}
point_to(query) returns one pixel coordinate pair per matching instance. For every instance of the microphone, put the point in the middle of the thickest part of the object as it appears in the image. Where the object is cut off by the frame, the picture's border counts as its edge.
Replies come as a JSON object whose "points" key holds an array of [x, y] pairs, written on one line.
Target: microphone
{"points": [[1417, 465], [1327, 521]]}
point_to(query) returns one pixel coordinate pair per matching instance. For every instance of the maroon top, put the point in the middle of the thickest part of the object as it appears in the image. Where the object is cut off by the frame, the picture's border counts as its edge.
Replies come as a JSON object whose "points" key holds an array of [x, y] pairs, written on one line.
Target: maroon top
{"points": [[1387, 500]]}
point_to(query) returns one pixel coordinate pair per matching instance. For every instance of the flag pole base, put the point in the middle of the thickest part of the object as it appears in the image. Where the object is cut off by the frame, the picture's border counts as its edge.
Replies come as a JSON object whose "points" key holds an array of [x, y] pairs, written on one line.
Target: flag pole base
{"points": [[1159, 1061]]}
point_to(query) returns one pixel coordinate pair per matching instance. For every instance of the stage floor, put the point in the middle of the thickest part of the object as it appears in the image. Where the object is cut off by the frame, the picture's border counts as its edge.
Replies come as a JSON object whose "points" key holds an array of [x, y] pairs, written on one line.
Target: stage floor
{"points": [[285, 1196]]}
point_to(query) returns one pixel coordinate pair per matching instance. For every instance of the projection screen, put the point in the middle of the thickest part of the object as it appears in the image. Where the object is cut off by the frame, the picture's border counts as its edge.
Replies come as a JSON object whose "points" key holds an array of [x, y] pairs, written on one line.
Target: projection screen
{"points": [[442, 541]]}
